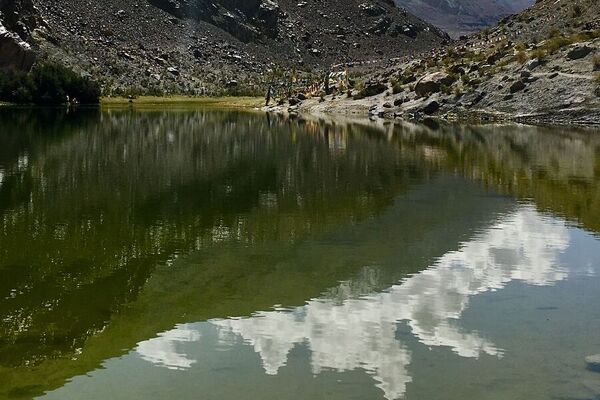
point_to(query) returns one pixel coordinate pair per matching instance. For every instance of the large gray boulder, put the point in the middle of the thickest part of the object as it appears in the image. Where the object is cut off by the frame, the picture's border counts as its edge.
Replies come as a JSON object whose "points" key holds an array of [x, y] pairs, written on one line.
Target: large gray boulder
{"points": [[432, 83], [578, 52], [532, 64], [517, 86]]}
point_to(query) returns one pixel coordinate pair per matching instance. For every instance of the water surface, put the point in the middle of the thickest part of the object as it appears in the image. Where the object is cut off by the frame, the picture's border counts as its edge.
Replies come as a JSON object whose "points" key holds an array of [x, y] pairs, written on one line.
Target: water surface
{"points": [[221, 255]]}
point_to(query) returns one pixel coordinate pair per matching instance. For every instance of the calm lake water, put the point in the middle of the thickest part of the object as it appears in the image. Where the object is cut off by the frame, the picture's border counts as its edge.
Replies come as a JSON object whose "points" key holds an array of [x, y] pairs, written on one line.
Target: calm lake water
{"points": [[196, 254]]}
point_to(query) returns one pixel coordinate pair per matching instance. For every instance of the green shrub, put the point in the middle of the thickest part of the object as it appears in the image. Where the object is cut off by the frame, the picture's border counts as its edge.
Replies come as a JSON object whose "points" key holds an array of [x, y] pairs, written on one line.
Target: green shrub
{"points": [[554, 32], [556, 43], [457, 91], [596, 61], [397, 87], [47, 83], [521, 57], [540, 54], [360, 85], [407, 78]]}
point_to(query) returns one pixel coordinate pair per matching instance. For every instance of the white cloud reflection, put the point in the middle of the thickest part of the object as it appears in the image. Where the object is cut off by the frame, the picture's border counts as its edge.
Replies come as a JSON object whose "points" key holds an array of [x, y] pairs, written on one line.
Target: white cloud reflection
{"points": [[360, 333], [163, 351]]}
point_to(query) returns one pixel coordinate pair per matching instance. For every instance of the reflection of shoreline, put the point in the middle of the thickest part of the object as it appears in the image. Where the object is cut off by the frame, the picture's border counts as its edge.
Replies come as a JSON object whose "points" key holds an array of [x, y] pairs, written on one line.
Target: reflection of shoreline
{"points": [[361, 332]]}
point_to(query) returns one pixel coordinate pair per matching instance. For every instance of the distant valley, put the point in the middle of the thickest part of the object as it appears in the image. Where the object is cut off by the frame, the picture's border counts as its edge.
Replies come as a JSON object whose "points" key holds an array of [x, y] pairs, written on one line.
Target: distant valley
{"points": [[461, 17]]}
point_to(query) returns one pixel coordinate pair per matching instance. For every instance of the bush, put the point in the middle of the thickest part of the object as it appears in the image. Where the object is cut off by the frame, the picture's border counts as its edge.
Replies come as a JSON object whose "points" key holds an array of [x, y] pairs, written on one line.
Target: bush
{"points": [[540, 54], [397, 87], [521, 57], [47, 83], [457, 92], [556, 43], [554, 32]]}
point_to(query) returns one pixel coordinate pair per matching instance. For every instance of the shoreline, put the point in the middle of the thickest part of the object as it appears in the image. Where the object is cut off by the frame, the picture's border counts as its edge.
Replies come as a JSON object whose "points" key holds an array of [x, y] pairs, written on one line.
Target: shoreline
{"points": [[342, 108], [365, 109]]}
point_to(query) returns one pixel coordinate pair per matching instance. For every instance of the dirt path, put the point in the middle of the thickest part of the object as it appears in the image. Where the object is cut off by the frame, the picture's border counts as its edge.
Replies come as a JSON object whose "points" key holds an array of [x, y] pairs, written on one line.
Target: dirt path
{"points": [[575, 76]]}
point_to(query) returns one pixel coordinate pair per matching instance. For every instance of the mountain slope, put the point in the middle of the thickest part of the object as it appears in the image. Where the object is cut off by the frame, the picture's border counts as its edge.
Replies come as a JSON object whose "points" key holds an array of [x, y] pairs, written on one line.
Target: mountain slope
{"points": [[459, 17], [540, 66], [195, 46]]}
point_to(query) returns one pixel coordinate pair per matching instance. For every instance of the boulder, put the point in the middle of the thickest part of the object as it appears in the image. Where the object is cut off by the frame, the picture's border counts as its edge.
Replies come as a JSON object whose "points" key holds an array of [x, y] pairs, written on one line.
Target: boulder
{"points": [[371, 9], [409, 30], [381, 25], [431, 108], [593, 362], [372, 89], [457, 69], [578, 52], [532, 64], [432, 83], [375, 111], [399, 101], [517, 86], [479, 96]]}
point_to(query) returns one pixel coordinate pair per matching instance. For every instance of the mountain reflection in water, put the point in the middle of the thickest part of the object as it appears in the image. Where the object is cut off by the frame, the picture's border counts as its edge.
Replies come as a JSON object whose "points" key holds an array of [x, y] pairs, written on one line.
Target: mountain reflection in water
{"points": [[376, 246], [346, 332]]}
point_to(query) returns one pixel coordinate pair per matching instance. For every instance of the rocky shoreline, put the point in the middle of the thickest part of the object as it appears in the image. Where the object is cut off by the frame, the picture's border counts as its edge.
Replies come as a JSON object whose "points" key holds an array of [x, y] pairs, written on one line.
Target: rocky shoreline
{"points": [[541, 67], [578, 117]]}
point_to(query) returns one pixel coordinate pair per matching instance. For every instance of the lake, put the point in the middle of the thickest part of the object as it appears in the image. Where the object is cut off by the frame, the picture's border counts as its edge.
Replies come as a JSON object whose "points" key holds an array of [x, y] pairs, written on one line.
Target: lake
{"points": [[202, 254]]}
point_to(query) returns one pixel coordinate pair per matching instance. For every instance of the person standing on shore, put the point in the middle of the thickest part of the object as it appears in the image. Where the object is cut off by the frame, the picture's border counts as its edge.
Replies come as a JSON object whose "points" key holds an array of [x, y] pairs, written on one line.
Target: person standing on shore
{"points": [[268, 95]]}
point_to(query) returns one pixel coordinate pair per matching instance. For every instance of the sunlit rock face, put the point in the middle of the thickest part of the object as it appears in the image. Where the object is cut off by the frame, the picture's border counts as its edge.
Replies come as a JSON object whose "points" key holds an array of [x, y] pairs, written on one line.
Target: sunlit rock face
{"points": [[244, 19], [349, 333], [18, 18]]}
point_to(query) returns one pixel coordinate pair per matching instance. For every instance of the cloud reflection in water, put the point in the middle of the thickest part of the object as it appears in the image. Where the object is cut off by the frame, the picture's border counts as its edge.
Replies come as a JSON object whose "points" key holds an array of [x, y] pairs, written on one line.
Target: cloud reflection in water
{"points": [[360, 333]]}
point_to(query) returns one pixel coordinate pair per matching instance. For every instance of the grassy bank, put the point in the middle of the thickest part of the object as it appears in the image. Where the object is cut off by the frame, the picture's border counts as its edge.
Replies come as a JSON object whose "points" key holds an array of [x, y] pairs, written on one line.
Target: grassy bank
{"points": [[151, 101]]}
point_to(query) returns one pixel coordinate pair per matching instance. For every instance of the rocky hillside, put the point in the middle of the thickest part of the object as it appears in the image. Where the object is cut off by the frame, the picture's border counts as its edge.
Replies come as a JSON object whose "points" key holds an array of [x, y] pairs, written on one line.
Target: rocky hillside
{"points": [[460, 17], [539, 66], [202, 46]]}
